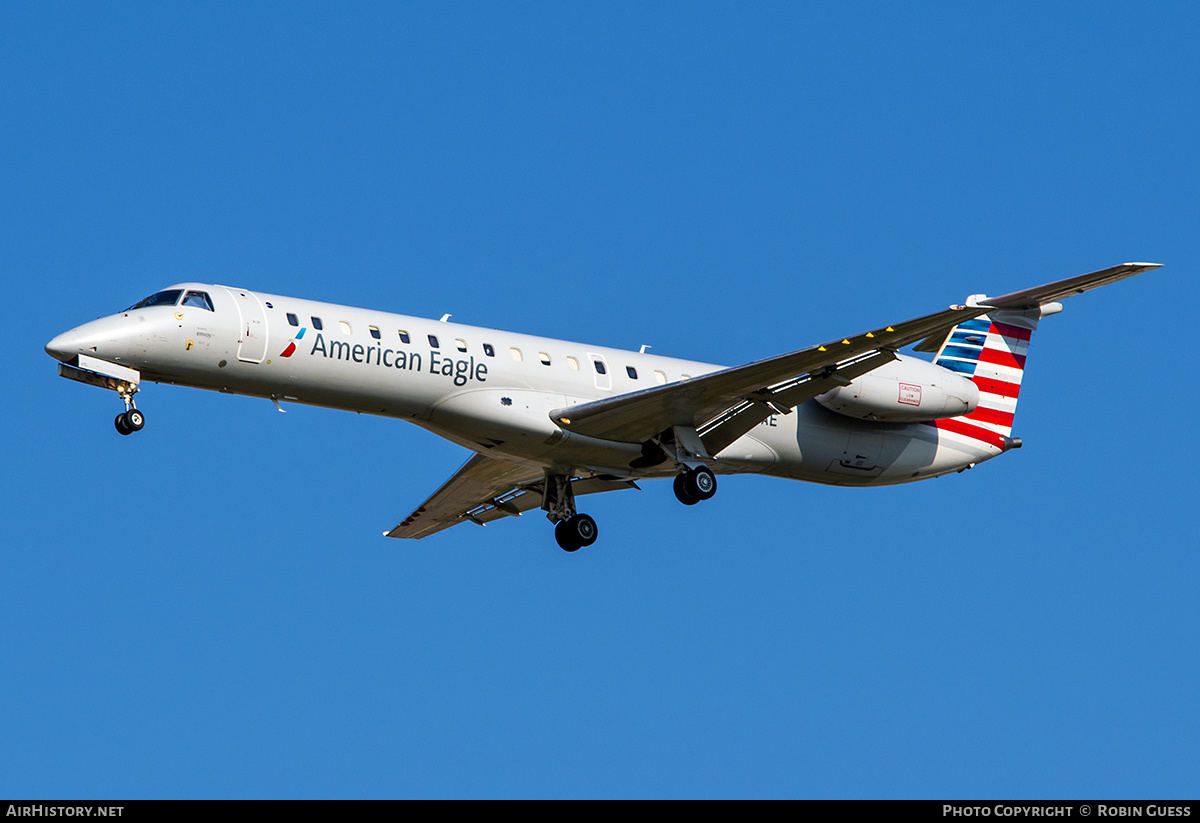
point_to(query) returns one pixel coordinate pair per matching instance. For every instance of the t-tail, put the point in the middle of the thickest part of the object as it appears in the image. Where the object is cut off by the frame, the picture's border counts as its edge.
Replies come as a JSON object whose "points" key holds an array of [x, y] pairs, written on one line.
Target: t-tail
{"points": [[991, 351]]}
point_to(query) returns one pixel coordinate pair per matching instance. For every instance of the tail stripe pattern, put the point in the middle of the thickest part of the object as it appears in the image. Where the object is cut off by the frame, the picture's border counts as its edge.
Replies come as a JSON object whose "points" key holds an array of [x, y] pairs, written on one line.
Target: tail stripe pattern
{"points": [[993, 355]]}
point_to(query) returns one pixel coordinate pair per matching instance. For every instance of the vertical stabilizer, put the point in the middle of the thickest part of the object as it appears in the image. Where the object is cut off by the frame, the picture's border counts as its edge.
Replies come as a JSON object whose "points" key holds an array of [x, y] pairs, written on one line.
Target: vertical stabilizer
{"points": [[991, 351]]}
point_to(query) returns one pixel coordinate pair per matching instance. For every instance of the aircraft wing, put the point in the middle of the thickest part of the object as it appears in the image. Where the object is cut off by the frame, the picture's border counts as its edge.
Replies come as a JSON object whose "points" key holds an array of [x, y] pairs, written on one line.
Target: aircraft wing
{"points": [[485, 489], [724, 405]]}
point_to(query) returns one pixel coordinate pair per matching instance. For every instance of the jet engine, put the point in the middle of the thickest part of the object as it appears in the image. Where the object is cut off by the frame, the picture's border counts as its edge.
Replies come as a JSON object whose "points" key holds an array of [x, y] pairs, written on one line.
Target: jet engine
{"points": [[907, 390]]}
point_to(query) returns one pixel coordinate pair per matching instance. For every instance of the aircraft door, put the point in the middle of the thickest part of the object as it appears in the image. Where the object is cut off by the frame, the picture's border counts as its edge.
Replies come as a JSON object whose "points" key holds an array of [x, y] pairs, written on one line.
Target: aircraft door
{"points": [[252, 327], [600, 368]]}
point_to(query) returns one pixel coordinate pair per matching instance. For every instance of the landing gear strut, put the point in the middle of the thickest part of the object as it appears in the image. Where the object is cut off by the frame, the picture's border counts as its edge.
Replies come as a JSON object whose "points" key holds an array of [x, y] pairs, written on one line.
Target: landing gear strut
{"points": [[695, 485], [130, 420], [572, 530]]}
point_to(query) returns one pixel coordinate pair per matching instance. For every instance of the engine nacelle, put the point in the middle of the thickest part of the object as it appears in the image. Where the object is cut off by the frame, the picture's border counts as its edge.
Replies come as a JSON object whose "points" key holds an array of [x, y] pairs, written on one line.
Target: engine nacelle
{"points": [[907, 390]]}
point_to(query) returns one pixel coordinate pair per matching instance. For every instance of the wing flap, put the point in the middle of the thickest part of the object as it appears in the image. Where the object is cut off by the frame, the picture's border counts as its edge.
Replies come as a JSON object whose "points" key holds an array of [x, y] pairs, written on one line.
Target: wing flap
{"points": [[727, 427]]}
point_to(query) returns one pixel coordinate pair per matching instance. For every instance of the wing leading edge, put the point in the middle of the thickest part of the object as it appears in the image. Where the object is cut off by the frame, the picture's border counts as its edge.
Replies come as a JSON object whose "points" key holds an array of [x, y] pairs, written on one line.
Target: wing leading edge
{"points": [[724, 405]]}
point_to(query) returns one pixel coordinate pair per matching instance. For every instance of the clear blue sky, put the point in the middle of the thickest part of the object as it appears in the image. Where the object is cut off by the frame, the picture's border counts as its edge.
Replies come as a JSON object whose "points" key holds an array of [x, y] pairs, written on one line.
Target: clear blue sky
{"points": [[208, 608]]}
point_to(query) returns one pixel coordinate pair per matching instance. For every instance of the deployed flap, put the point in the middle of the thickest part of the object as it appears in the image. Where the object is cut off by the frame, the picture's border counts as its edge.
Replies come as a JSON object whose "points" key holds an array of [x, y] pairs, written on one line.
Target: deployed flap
{"points": [[775, 382], [739, 419], [485, 489]]}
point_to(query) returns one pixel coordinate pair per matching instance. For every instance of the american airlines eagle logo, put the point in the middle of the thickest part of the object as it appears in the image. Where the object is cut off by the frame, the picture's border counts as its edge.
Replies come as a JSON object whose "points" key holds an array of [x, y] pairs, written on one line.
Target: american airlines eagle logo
{"points": [[291, 346]]}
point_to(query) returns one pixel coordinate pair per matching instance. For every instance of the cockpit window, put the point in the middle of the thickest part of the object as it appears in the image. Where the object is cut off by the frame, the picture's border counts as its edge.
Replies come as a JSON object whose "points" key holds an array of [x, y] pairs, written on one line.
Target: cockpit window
{"points": [[162, 298], [199, 299]]}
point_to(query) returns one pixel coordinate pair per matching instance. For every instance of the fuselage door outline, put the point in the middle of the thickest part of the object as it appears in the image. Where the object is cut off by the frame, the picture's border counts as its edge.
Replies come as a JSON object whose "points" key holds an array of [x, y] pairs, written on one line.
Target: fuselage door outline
{"points": [[252, 325], [600, 370]]}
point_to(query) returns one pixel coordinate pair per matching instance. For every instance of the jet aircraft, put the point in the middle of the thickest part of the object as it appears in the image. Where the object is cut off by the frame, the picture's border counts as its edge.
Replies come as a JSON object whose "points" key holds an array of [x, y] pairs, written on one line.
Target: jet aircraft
{"points": [[551, 420]]}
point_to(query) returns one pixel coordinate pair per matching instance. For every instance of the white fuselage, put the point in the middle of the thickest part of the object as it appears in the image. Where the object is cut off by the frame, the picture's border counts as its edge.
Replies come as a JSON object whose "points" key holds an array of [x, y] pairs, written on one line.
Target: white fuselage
{"points": [[490, 391]]}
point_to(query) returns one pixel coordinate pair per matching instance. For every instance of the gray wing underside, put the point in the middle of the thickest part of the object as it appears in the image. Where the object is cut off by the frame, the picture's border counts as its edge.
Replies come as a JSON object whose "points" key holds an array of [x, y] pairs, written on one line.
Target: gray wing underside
{"points": [[726, 404], [485, 489]]}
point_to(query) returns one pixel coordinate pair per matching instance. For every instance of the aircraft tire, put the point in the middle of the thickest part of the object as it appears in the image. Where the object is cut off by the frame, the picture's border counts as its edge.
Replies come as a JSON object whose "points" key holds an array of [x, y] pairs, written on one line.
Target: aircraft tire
{"points": [[701, 483], [566, 541], [134, 419], [681, 492], [122, 426], [584, 528]]}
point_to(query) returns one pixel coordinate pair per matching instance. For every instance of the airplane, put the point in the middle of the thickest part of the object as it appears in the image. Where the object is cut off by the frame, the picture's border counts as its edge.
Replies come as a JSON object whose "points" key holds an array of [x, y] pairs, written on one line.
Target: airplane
{"points": [[551, 420]]}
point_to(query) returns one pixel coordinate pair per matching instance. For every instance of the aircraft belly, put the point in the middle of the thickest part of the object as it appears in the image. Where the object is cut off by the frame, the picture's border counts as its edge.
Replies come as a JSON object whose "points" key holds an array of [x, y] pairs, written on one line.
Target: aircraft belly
{"points": [[821, 446], [747, 454], [515, 423]]}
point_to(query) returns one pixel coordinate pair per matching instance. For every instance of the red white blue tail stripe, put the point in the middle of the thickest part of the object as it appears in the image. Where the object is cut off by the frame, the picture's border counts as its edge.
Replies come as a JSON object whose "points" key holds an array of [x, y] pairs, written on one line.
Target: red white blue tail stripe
{"points": [[992, 354]]}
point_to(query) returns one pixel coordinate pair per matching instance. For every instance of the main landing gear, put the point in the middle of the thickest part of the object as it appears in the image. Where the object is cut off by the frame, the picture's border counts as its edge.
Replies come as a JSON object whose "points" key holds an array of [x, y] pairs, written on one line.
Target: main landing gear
{"points": [[695, 485], [572, 530], [576, 532], [130, 420]]}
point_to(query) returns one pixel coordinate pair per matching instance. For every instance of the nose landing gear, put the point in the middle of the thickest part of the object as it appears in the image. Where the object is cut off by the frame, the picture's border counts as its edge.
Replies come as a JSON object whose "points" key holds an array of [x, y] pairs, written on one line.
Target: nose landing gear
{"points": [[130, 420]]}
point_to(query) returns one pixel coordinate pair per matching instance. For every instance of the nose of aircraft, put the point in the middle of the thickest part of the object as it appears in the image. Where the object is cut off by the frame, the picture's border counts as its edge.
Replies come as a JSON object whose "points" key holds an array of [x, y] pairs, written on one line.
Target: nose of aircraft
{"points": [[108, 338], [65, 346]]}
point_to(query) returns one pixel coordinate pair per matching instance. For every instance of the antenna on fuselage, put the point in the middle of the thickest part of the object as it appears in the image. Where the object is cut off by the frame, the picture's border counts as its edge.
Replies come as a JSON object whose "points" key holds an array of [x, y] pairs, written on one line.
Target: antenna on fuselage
{"points": [[642, 350], [445, 317]]}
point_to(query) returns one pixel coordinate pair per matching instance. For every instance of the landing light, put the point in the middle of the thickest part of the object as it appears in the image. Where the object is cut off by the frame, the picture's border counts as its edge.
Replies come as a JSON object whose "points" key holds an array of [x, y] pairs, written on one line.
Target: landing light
{"points": [[566, 421]]}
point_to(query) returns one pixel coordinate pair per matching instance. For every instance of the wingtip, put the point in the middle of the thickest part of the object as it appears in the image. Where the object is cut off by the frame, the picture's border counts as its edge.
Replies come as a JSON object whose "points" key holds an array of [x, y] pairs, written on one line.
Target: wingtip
{"points": [[1144, 265]]}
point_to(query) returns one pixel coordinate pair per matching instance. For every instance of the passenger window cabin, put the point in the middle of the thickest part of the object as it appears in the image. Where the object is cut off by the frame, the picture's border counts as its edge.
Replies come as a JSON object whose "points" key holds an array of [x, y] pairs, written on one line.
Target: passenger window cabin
{"points": [[316, 321], [293, 320]]}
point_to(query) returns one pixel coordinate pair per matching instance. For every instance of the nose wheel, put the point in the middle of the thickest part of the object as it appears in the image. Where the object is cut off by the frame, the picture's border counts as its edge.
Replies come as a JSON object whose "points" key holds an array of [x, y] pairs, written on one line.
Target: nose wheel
{"points": [[130, 420]]}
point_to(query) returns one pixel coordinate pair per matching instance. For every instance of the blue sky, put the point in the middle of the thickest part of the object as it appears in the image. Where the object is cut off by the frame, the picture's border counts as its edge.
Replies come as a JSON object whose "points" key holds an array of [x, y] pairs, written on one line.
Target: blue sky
{"points": [[207, 609]]}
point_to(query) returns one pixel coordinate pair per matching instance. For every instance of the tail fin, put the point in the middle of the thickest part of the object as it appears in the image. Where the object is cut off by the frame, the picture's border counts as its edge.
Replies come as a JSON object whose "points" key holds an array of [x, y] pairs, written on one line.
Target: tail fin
{"points": [[991, 351]]}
